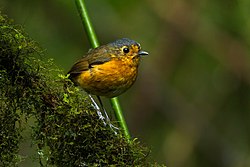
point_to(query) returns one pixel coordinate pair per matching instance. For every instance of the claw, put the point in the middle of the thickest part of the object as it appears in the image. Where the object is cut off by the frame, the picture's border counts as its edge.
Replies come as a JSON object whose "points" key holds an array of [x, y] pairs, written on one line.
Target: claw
{"points": [[114, 128], [105, 119]]}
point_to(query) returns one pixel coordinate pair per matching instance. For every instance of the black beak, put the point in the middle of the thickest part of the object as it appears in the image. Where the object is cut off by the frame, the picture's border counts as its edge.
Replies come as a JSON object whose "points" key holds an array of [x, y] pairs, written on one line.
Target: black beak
{"points": [[142, 53]]}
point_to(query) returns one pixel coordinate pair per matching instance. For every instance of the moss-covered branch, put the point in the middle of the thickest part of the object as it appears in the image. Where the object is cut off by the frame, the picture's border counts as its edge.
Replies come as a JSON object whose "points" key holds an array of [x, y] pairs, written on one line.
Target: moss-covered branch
{"points": [[67, 131]]}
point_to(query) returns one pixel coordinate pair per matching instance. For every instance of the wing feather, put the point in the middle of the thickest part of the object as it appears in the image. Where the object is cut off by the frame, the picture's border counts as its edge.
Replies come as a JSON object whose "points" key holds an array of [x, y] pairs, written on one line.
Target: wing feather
{"points": [[95, 56]]}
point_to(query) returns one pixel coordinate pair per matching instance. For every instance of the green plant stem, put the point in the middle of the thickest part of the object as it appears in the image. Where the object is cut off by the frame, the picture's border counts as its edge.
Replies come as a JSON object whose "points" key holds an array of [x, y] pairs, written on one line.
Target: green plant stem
{"points": [[119, 116], [87, 23], [94, 43]]}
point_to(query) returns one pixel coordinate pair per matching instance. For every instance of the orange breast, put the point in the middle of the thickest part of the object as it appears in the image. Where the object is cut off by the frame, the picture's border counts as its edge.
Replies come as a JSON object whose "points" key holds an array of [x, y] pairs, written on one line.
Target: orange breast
{"points": [[111, 78]]}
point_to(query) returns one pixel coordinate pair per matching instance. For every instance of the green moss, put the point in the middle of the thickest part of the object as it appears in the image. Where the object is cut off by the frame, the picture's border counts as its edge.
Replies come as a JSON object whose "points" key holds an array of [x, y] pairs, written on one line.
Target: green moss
{"points": [[67, 131]]}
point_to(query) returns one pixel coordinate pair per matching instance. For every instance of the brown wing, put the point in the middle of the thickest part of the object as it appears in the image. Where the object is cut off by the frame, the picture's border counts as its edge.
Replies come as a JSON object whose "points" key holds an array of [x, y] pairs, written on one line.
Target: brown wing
{"points": [[98, 55]]}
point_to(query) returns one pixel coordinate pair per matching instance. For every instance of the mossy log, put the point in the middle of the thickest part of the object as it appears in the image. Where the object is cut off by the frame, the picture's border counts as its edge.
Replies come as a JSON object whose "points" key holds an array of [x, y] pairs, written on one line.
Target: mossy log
{"points": [[67, 129]]}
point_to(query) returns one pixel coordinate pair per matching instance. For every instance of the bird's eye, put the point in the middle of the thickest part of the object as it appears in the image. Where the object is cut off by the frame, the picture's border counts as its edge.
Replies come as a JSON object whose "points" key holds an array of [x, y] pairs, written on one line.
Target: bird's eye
{"points": [[125, 50]]}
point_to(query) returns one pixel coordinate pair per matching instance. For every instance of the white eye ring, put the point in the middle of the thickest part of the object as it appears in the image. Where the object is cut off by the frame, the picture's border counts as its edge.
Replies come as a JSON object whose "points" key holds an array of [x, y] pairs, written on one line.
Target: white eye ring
{"points": [[125, 50]]}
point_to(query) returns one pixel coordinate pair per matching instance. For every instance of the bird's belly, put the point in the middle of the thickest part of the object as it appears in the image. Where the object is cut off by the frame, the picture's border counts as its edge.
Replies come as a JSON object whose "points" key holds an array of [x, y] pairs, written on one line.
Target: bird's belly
{"points": [[109, 79]]}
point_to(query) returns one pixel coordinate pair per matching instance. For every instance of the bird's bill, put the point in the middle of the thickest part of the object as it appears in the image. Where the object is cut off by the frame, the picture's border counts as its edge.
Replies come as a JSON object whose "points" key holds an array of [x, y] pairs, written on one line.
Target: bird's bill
{"points": [[142, 53]]}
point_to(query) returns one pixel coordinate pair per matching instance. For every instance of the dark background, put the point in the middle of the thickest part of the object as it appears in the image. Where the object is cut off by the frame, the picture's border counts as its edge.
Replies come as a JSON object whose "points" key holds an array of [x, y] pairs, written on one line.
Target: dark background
{"points": [[191, 102]]}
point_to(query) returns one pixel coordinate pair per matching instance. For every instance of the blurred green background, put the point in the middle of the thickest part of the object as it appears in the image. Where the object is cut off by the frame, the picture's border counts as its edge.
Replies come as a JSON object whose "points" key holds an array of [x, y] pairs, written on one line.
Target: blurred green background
{"points": [[191, 102]]}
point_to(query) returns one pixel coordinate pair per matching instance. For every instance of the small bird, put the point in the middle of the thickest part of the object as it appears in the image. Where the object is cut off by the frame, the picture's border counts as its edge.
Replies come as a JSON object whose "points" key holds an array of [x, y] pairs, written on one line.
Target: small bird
{"points": [[108, 70]]}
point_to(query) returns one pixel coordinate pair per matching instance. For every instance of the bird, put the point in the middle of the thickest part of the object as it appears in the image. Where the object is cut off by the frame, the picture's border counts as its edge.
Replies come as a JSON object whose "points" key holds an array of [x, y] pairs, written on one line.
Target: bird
{"points": [[108, 70]]}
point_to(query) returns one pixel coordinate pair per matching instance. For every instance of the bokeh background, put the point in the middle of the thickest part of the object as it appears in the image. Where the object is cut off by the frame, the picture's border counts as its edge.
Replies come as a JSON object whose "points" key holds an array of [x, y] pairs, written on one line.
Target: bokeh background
{"points": [[191, 102]]}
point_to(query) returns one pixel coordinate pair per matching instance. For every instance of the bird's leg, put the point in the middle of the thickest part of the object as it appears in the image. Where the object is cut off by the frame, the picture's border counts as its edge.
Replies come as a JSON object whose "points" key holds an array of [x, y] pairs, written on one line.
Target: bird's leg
{"points": [[99, 113], [106, 115]]}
